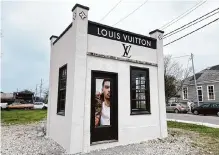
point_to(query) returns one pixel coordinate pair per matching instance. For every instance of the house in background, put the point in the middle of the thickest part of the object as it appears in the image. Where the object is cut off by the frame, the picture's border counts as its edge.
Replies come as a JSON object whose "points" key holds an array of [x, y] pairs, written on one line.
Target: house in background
{"points": [[207, 86]]}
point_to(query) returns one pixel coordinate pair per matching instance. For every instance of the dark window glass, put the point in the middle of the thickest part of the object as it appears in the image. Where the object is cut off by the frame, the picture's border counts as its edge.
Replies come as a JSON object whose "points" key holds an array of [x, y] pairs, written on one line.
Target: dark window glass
{"points": [[200, 96], [205, 105], [211, 92], [173, 104], [62, 90], [140, 92]]}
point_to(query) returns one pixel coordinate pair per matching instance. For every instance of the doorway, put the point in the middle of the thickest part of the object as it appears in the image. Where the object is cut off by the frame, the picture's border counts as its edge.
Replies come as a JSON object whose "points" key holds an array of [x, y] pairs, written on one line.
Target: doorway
{"points": [[104, 106]]}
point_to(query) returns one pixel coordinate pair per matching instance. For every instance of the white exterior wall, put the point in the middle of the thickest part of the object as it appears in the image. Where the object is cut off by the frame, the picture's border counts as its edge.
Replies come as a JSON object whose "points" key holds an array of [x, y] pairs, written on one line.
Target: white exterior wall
{"points": [[59, 127], [105, 46], [72, 131], [160, 82], [131, 128], [78, 93]]}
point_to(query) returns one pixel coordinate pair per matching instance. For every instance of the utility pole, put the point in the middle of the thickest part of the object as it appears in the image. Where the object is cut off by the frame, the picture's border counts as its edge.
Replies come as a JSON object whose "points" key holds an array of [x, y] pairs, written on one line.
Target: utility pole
{"points": [[194, 78], [41, 85], [36, 92]]}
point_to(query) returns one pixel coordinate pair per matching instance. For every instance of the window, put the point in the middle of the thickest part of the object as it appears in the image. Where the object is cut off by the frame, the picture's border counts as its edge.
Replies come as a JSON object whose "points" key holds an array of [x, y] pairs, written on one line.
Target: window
{"points": [[173, 104], [205, 105], [215, 105], [211, 95], [185, 93], [140, 91], [200, 95], [62, 90]]}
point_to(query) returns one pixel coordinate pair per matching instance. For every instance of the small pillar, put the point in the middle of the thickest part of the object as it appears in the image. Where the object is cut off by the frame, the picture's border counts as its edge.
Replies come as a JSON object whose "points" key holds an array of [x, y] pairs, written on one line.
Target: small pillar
{"points": [[158, 34]]}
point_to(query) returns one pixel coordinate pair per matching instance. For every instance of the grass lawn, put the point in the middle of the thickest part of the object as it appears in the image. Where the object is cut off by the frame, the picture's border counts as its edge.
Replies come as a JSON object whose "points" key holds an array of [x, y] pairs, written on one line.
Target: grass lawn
{"points": [[214, 132], [205, 138], [22, 116]]}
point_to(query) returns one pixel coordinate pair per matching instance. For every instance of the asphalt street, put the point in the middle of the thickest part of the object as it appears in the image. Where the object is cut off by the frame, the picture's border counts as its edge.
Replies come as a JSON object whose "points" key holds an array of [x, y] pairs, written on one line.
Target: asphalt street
{"points": [[194, 118]]}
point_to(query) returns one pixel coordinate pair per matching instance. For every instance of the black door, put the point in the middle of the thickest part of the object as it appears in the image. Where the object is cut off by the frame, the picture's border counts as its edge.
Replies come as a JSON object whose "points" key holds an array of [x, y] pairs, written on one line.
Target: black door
{"points": [[104, 106]]}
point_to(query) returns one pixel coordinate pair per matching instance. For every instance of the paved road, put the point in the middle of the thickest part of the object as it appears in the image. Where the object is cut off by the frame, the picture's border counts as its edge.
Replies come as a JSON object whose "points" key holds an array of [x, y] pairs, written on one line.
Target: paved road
{"points": [[194, 118]]}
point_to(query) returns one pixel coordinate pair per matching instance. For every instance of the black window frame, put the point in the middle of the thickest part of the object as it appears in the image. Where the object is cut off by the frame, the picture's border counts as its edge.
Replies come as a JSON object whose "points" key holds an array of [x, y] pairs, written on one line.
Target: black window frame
{"points": [[61, 90], [146, 91]]}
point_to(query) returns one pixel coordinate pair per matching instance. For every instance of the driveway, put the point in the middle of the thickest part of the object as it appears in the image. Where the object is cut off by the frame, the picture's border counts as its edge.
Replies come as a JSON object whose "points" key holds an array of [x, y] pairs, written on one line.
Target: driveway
{"points": [[194, 118]]}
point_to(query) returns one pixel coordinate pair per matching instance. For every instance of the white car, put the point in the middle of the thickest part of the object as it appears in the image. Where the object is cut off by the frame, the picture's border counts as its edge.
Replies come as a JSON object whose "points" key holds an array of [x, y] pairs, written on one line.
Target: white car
{"points": [[4, 105], [39, 105]]}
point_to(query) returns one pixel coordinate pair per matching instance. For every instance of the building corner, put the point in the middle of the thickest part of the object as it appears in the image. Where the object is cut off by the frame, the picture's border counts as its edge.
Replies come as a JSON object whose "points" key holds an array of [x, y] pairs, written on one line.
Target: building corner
{"points": [[158, 35]]}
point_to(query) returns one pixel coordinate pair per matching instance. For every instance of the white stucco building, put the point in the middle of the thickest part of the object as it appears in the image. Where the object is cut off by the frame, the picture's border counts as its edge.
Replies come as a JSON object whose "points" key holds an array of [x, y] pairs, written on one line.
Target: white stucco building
{"points": [[106, 86]]}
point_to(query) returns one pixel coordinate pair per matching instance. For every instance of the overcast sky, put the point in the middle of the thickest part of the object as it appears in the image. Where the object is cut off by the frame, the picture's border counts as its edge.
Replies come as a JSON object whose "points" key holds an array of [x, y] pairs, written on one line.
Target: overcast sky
{"points": [[27, 26]]}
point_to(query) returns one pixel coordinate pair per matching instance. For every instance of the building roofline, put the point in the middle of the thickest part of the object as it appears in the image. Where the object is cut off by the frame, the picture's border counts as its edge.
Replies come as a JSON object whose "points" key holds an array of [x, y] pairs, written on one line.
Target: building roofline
{"points": [[202, 82], [69, 26], [53, 36], [80, 6], [157, 30]]}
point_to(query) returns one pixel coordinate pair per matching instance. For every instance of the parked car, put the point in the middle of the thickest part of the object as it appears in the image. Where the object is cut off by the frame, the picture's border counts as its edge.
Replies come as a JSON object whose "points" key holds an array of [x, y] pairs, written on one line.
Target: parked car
{"points": [[176, 107], [40, 105], [18, 105], [4, 106], [207, 109]]}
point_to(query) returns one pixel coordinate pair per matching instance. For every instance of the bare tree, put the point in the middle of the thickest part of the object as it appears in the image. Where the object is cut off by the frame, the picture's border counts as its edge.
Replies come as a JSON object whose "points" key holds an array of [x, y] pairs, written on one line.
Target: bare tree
{"points": [[46, 94], [174, 76]]}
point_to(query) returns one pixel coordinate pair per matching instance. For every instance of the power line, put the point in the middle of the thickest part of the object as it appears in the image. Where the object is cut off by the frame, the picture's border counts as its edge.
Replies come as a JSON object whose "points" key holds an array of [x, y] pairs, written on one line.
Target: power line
{"points": [[111, 10], [131, 13], [192, 32], [183, 15], [166, 36], [192, 21], [181, 56], [180, 15], [195, 20]]}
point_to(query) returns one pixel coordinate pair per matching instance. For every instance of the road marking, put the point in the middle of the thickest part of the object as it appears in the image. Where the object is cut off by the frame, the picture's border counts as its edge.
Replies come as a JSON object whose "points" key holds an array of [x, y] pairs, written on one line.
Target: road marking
{"points": [[197, 123]]}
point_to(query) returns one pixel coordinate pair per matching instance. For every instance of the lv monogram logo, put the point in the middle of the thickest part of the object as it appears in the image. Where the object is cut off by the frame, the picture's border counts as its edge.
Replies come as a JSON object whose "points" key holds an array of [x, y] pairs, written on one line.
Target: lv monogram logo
{"points": [[127, 49]]}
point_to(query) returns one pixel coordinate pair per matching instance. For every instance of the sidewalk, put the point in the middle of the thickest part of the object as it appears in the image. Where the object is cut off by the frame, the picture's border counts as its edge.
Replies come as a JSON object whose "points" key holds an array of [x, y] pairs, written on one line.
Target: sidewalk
{"points": [[197, 123]]}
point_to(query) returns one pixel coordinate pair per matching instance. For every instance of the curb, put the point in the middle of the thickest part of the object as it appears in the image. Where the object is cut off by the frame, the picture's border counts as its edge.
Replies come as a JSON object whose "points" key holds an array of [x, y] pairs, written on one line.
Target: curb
{"points": [[197, 123]]}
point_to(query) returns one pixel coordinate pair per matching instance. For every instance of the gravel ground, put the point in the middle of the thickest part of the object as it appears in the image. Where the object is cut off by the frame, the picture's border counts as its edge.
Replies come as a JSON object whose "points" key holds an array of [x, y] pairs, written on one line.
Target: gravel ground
{"points": [[29, 140], [173, 145]]}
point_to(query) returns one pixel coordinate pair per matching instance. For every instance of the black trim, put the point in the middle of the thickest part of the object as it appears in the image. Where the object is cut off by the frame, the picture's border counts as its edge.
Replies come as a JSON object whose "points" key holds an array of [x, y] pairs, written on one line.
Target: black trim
{"points": [[93, 30], [121, 59], [62, 33], [157, 30], [103, 142], [140, 113], [147, 95], [136, 34], [80, 6], [113, 128], [53, 37], [59, 111]]}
